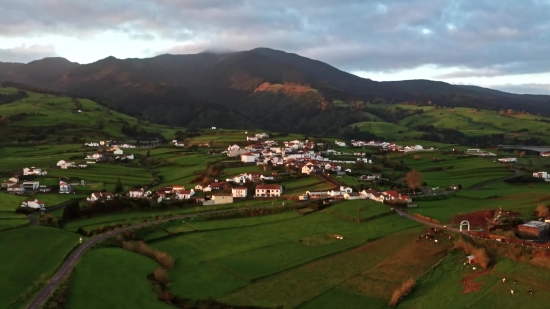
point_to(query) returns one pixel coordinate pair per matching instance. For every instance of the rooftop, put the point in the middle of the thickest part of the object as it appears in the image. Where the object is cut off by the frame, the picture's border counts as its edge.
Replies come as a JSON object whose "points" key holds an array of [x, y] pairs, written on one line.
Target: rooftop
{"points": [[535, 224]]}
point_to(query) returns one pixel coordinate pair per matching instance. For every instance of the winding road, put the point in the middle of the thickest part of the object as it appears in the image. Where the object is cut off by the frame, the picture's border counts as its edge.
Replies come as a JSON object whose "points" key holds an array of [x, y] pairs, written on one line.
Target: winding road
{"points": [[68, 265]]}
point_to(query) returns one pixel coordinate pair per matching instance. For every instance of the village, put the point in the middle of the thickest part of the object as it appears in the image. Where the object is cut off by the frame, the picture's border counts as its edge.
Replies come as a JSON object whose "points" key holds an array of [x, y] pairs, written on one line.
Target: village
{"points": [[324, 161]]}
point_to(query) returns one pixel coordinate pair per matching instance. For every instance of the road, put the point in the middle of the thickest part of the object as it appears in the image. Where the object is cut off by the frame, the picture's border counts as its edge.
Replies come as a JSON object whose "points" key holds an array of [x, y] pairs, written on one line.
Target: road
{"points": [[68, 265], [439, 226]]}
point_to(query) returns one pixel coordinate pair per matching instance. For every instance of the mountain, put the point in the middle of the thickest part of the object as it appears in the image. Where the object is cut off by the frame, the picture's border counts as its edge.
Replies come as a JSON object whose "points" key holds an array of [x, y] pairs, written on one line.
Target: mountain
{"points": [[263, 87]]}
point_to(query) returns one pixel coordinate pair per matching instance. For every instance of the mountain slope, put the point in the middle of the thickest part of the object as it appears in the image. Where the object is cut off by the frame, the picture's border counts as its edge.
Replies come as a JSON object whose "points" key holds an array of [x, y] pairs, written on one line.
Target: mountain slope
{"points": [[238, 89]]}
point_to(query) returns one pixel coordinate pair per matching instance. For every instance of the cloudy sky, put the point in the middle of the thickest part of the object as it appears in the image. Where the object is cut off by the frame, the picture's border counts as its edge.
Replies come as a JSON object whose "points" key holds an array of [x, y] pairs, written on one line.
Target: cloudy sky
{"points": [[504, 44]]}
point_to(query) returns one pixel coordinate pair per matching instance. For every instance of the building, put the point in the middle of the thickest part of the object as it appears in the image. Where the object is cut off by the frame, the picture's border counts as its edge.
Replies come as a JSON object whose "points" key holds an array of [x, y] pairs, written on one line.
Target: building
{"points": [[65, 187], [16, 189], [185, 194], [222, 198], [30, 185], [239, 192], [533, 230], [248, 157], [33, 203], [542, 175], [353, 196], [10, 182], [508, 160], [33, 171], [96, 196], [269, 190], [136, 193], [44, 189]]}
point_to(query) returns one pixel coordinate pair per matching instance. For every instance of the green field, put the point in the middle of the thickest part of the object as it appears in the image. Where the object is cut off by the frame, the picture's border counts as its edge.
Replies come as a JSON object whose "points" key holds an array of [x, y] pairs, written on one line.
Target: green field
{"points": [[29, 257], [386, 129], [234, 257], [362, 208], [48, 111], [113, 278]]}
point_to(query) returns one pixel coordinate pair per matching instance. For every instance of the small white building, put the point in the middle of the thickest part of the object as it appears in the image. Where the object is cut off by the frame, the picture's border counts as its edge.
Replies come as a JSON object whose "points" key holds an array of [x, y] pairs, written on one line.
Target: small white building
{"points": [[269, 190], [239, 192], [185, 194], [508, 160], [248, 157], [136, 193], [542, 175], [65, 187], [33, 203]]}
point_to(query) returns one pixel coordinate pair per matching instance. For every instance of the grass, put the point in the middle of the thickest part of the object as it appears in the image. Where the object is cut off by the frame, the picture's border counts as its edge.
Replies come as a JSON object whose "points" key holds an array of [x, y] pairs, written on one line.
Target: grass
{"points": [[386, 129], [34, 254], [101, 276], [367, 209], [234, 257], [47, 111], [10, 202], [305, 285], [440, 287]]}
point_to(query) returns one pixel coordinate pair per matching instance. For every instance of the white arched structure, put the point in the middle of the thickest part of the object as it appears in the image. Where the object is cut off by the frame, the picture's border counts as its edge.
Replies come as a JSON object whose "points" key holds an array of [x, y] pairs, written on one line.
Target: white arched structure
{"points": [[465, 223]]}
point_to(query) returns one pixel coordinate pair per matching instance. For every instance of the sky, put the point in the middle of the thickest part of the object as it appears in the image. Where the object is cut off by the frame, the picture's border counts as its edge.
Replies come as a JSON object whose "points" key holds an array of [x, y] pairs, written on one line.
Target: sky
{"points": [[502, 44]]}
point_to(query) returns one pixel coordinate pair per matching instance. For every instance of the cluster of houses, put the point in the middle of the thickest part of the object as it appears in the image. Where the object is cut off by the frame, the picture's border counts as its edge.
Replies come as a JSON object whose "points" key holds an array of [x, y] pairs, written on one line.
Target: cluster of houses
{"points": [[256, 137], [386, 146], [109, 144], [542, 175], [217, 192], [347, 193], [112, 153], [296, 155], [508, 160]]}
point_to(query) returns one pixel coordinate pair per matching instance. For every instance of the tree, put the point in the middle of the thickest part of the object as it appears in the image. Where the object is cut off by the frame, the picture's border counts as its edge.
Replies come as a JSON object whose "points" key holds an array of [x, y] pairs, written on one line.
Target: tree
{"points": [[119, 188], [414, 179], [542, 210], [71, 211]]}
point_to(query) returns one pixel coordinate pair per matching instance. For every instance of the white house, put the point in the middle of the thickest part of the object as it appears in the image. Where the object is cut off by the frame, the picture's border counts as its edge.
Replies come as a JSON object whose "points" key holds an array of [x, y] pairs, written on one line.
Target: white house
{"points": [[309, 168], [136, 193], [33, 203], [30, 185], [95, 156], [252, 138], [33, 171], [542, 175], [184, 194], [508, 160], [263, 177], [248, 157], [353, 196], [65, 187], [269, 190], [100, 195], [198, 188], [341, 144], [239, 192], [118, 151], [92, 144]]}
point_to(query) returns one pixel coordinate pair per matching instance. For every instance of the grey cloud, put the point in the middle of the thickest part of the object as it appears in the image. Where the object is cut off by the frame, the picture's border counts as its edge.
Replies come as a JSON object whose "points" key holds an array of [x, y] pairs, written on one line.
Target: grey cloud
{"points": [[524, 88], [26, 54], [482, 37]]}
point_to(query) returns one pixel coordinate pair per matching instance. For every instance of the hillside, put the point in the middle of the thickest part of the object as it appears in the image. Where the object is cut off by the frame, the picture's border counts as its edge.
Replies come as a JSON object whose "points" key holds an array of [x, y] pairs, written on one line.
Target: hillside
{"points": [[49, 118], [229, 90]]}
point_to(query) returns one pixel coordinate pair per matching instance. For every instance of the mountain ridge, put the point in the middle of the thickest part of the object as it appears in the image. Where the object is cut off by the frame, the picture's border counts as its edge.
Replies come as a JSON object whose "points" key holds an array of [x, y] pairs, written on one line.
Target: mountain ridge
{"points": [[180, 89]]}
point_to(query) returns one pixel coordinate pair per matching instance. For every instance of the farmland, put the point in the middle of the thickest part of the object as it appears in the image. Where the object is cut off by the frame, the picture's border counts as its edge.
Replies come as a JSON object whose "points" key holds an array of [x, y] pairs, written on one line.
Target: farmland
{"points": [[350, 252], [34, 254], [118, 281]]}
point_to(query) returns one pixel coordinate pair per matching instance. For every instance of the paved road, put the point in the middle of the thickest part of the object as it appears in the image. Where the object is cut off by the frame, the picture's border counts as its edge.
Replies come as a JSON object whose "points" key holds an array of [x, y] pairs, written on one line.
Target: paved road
{"points": [[439, 226], [65, 269]]}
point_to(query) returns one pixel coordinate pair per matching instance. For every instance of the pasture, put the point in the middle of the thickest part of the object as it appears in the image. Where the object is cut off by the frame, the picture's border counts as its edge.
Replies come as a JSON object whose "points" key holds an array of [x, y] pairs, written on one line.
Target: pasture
{"points": [[34, 254], [236, 256], [113, 278]]}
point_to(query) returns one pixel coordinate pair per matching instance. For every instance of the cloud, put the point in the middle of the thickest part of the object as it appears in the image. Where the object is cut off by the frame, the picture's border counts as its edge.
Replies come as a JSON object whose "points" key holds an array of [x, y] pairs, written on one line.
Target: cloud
{"points": [[26, 54], [482, 37], [524, 88]]}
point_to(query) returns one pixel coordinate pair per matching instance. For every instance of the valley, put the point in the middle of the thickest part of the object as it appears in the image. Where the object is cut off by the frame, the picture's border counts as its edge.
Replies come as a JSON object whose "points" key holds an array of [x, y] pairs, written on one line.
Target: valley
{"points": [[216, 217]]}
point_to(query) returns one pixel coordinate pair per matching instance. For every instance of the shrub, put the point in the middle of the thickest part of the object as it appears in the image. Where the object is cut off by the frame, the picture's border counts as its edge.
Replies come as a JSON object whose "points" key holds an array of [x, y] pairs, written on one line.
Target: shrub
{"points": [[164, 259], [481, 257], [402, 291], [542, 210], [166, 296], [161, 275]]}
